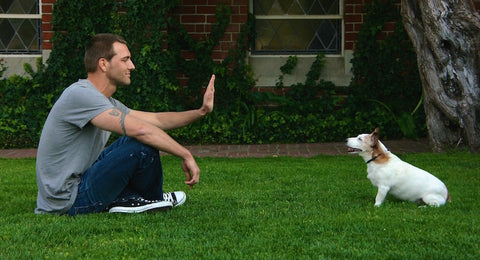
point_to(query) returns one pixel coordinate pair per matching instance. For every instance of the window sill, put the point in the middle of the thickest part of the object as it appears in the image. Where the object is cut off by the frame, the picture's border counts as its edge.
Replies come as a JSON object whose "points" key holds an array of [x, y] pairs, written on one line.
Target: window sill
{"points": [[266, 69]]}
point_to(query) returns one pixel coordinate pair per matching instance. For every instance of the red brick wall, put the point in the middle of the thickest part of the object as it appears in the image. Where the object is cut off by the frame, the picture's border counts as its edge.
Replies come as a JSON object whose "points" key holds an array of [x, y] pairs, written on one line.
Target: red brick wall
{"points": [[354, 18], [198, 17], [47, 33]]}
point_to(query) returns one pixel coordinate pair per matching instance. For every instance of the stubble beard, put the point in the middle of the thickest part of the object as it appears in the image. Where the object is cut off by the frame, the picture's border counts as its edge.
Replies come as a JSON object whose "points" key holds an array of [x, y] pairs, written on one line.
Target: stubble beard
{"points": [[119, 81]]}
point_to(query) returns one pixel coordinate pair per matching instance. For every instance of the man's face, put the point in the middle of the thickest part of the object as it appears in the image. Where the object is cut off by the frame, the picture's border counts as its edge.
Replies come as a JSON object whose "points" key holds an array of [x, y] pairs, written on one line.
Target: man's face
{"points": [[120, 65]]}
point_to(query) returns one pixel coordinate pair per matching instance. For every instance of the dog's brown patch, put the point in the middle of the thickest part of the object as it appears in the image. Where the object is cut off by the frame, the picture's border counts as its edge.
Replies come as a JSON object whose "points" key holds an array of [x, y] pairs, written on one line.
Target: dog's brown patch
{"points": [[378, 152], [380, 155], [382, 158]]}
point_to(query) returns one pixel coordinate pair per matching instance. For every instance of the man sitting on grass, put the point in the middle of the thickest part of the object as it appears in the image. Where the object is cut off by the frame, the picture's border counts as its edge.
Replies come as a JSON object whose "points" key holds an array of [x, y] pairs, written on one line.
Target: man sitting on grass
{"points": [[76, 175]]}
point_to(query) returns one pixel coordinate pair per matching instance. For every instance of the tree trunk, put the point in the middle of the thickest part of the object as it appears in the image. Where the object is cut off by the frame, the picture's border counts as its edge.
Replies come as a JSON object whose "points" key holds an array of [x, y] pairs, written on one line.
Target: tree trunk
{"points": [[446, 37]]}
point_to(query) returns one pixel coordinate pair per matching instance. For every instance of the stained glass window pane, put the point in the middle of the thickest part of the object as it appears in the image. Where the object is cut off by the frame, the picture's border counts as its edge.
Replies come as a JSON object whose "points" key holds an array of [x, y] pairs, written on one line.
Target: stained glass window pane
{"points": [[297, 33], [296, 7], [19, 34], [279, 36], [19, 7]]}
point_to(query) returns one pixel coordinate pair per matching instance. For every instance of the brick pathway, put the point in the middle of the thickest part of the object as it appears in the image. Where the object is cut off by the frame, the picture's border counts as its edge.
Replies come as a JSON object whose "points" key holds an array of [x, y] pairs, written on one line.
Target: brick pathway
{"points": [[267, 150]]}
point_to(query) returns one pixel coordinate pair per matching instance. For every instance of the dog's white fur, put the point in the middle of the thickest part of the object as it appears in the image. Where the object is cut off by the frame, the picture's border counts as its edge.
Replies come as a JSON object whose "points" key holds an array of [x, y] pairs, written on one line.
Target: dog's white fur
{"points": [[392, 175]]}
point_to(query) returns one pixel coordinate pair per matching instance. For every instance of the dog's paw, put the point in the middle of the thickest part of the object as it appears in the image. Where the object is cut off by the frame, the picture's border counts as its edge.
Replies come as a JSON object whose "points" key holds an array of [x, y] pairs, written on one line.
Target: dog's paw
{"points": [[378, 204]]}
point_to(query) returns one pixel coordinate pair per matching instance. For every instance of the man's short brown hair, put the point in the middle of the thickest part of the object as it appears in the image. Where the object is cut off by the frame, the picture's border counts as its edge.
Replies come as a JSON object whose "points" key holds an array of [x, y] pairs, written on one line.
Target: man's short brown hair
{"points": [[100, 46]]}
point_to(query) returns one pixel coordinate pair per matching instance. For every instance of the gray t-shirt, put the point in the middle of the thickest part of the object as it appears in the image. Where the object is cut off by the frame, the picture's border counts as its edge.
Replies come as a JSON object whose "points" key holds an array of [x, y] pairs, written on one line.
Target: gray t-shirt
{"points": [[70, 144]]}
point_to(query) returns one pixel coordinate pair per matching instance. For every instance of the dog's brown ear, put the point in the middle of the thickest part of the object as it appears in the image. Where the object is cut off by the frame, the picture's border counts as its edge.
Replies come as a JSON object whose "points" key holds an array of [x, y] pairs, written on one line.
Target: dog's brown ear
{"points": [[374, 139]]}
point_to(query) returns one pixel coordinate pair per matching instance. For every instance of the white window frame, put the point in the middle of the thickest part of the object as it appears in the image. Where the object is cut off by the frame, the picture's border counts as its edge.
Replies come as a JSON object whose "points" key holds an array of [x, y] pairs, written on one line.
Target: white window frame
{"points": [[266, 67], [25, 16], [340, 16]]}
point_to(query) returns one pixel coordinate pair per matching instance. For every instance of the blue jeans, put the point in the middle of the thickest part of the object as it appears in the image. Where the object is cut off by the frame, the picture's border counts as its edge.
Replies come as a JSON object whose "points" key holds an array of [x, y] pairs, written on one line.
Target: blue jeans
{"points": [[125, 169]]}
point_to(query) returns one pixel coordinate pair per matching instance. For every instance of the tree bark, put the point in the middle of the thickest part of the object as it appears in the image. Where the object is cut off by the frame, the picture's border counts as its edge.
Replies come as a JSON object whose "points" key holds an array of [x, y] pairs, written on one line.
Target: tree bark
{"points": [[446, 37]]}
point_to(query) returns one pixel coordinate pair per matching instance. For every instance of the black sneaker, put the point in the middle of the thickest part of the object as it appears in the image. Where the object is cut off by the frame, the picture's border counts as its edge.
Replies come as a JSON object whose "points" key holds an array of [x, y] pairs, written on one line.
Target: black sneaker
{"points": [[177, 198], [139, 205]]}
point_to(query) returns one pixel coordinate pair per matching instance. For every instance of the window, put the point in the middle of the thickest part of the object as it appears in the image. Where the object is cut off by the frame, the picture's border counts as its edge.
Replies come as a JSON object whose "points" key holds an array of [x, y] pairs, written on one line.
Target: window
{"points": [[298, 26], [20, 23]]}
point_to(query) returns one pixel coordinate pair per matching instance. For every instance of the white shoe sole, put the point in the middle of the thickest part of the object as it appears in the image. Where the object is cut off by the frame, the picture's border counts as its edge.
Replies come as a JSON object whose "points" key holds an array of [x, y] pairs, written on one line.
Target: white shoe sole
{"points": [[153, 207]]}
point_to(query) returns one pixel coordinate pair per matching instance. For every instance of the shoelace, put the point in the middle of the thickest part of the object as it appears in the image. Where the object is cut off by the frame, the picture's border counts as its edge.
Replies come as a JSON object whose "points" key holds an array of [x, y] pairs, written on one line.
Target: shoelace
{"points": [[136, 201], [169, 196]]}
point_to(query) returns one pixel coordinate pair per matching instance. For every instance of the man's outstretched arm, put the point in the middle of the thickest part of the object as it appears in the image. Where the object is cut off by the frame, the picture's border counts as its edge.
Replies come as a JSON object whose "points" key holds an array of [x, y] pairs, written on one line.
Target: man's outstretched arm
{"points": [[172, 120]]}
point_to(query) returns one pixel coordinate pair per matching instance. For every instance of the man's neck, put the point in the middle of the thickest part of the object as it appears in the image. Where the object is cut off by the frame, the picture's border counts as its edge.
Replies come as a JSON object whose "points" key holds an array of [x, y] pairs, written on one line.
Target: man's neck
{"points": [[102, 84]]}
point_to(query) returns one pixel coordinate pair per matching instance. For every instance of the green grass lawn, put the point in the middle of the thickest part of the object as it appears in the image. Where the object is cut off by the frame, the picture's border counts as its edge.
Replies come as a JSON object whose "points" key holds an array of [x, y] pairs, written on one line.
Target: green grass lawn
{"points": [[263, 208]]}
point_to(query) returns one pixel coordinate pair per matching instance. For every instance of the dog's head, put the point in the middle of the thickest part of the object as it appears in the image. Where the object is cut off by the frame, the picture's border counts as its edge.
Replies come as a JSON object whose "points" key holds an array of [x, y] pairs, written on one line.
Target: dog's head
{"points": [[363, 143]]}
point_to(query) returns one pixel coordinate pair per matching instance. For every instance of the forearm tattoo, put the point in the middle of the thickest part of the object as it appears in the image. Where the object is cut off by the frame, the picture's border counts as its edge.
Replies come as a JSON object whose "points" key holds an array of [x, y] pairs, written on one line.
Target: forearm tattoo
{"points": [[117, 112]]}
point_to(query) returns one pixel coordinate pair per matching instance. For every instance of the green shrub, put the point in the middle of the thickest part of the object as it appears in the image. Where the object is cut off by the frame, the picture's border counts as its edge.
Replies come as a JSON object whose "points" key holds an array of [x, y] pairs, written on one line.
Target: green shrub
{"points": [[386, 72], [22, 109]]}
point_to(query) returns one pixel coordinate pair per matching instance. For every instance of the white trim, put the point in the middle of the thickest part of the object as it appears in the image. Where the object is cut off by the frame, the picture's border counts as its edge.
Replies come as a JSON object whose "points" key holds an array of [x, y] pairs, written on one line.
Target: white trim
{"points": [[21, 16], [4, 55], [342, 44], [299, 17], [293, 54]]}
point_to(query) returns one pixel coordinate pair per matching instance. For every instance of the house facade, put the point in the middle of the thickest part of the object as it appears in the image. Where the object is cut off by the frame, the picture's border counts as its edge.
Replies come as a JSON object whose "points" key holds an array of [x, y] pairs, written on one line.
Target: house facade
{"points": [[283, 28]]}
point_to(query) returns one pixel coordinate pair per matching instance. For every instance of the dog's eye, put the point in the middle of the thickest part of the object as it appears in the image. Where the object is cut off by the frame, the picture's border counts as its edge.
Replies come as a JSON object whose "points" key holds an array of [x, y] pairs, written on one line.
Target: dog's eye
{"points": [[360, 138]]}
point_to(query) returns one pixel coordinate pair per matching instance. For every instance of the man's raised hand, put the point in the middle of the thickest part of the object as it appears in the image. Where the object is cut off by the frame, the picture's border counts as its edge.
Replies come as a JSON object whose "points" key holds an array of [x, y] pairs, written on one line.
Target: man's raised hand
{"points": [[208, 97]]}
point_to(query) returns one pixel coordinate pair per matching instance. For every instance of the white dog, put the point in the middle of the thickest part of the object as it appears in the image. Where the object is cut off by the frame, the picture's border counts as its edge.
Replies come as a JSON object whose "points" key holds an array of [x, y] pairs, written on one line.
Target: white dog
{"points": [[390, 174]]}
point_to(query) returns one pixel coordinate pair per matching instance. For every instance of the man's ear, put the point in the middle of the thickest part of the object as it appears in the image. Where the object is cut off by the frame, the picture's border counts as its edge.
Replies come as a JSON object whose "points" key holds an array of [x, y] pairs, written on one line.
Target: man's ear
{"points": [[103, 64]]}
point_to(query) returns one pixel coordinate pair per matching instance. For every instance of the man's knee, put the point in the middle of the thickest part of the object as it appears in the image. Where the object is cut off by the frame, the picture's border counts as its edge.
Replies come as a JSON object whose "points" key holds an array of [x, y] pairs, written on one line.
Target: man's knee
{"points": [[146, 149], [145, 153], [137, 146]]}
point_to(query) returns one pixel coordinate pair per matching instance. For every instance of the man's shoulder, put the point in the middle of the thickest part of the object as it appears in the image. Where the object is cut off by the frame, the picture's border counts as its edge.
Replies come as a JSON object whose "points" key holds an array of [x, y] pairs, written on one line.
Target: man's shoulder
{"points": [[80, 88], [80, 84]]}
